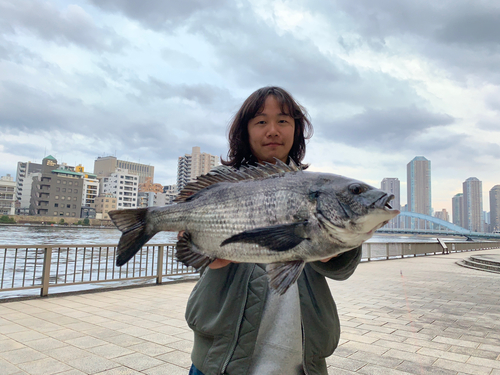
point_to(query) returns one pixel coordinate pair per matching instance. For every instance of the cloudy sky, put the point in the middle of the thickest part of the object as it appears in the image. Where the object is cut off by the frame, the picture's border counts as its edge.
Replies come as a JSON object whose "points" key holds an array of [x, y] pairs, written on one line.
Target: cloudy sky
{"points": [[383, 81]]}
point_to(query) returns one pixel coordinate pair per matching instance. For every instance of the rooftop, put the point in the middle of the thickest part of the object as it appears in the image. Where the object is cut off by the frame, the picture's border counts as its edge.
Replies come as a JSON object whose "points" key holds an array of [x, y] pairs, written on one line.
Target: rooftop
{"points": [[423, 315]]}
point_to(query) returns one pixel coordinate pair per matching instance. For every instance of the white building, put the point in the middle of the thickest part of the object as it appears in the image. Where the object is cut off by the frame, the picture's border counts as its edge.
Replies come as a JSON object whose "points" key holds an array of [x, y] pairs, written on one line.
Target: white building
{"points": [[193, 165], [122, 185], [7, 195], [24, 178], [90, 190]]}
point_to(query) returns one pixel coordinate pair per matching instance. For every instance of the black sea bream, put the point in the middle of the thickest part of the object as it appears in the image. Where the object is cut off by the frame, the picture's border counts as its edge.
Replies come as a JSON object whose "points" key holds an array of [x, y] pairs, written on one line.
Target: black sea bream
{"points": [[272, 213]]}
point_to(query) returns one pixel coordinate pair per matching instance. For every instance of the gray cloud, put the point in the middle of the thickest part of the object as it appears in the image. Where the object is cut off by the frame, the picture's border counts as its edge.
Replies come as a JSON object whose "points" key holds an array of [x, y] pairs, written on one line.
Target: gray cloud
{"points": [[159, 15], [395, 126], [464, 34], [71, 26]]}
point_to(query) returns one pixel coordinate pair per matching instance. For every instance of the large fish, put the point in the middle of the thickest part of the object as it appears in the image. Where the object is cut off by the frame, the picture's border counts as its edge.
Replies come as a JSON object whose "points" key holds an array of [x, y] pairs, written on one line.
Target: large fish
{"points": [[272, 213]]}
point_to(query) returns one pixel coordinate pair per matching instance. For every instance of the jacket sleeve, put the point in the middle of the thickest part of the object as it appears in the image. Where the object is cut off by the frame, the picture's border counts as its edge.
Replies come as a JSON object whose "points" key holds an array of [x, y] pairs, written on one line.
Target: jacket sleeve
{"points": [[341, 267]]}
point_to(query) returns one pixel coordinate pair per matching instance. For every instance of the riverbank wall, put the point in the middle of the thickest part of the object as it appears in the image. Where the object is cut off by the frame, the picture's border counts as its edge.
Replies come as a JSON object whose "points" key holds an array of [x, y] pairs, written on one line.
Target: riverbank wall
{"points": [[48, 220]]}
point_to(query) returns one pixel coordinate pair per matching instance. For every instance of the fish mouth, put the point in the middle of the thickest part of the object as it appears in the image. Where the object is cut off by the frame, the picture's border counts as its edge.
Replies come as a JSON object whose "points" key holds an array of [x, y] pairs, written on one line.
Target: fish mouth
{"points": [[383, 202]]}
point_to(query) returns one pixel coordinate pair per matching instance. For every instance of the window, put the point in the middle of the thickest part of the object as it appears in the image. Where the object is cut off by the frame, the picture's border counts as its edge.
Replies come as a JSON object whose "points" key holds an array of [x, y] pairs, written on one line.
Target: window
{"points": [[74, 198], [73, 214], [56, 204], [74, 206], [75, 191], [57, 189], [68, 206], [61, 213], [69, 190], [64, 182], [58, 181], [70, 183], [107, 200], [62, 198], [69, 198], [67, 213], [64, 190]]}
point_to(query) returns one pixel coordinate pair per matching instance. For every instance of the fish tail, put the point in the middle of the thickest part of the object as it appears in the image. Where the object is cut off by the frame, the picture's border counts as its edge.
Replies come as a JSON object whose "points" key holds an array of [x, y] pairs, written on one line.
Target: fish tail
{"points": [[135, 232]]}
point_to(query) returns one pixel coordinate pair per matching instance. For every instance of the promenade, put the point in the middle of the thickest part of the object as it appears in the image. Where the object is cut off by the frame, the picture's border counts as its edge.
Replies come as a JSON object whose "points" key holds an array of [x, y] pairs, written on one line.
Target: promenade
{"points": [[423, 315]]}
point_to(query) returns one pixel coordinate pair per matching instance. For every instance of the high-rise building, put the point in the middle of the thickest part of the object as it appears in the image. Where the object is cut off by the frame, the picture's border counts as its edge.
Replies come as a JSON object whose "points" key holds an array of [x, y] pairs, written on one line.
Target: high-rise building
{"points": [[7, 195], [193, 165], [57, 191], [104, 166], [24, 177], [392, 185], [419, 188], [473, 205], [457, 204], [495, 208]]}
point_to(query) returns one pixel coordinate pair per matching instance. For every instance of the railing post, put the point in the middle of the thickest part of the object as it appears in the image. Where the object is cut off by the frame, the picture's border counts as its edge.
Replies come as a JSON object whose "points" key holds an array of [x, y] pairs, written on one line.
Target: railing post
{"points": [[46, 271], [387, 251], [159, 263]]}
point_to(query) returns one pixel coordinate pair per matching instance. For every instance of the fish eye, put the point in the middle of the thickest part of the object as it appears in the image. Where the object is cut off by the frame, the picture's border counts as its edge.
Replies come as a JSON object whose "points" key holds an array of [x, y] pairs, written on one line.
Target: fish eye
{"points": [[356, 189]]}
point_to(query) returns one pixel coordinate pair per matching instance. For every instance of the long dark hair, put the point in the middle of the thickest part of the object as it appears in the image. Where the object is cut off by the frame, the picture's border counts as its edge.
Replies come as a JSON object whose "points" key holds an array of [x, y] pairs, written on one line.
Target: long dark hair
{"points": [[239, 145]]}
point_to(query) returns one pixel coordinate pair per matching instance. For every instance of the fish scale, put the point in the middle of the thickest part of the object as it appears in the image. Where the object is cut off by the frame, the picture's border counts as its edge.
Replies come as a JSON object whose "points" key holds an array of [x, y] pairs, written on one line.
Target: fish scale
{"points": [[273, 213]]}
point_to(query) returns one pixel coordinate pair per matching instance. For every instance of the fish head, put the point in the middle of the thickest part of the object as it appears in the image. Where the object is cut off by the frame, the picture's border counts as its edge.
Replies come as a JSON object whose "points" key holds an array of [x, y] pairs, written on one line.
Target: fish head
{"points": [[350, 206]]}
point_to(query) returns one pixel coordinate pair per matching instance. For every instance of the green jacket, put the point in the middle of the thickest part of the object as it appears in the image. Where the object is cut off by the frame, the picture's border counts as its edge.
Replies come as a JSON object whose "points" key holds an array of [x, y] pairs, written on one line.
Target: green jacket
{"points": [[226, 305]]}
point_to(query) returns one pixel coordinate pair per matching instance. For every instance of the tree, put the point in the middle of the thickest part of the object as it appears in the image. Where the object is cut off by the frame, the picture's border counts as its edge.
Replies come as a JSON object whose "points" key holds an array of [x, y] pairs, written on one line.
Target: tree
{"points": [[7, 220], [86, 221]]}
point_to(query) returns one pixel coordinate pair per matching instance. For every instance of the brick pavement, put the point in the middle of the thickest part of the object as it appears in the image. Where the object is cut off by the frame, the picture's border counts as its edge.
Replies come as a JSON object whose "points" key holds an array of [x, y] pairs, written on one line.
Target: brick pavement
{"points": [[423, 315]]}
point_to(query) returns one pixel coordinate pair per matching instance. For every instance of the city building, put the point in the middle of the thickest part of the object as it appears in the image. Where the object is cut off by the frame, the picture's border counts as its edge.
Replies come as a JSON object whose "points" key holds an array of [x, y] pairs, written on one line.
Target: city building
{"points": [[392, 185], [105, 166], [473, 205], [122, 185], [7, 195], [457, 204], [193, 165], [495, 208], [149, 186], [443, 215], [170, 193], [90, 189], [57, 191], [24, 177], [419, 189], [103, 204]]}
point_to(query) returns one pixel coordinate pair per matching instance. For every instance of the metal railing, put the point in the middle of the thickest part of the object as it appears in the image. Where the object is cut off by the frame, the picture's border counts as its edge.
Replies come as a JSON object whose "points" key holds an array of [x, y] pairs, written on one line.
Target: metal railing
{"points": [[42, 267], [376, 250]]}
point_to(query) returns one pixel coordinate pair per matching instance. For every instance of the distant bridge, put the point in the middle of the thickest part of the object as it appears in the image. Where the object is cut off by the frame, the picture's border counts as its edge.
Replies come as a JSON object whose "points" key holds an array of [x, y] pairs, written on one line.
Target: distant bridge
{"points": [[444, 227]]}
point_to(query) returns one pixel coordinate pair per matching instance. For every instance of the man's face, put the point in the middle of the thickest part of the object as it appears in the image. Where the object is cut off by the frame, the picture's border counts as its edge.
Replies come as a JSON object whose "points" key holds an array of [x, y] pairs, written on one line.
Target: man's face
{"points": [[271, 132]]}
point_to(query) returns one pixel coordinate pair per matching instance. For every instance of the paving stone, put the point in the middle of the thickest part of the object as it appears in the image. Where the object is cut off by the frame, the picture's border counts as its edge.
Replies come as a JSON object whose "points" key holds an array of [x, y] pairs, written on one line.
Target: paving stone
{"points": [[418, 368], [22, 355], [92, 364], [462, 367], [376, 359], [166, 368], [138, 361], [153, 350], [46, 366]]}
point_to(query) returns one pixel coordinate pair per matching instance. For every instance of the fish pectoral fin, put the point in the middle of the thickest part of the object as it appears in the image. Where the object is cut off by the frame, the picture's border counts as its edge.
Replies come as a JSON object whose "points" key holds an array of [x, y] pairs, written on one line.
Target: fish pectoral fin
{"points": [[189, 254], [281, 237], [282, 275]]}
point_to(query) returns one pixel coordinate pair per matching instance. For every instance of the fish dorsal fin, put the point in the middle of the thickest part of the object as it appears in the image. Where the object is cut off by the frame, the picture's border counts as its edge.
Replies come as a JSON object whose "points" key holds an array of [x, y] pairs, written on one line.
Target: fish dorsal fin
{"points": [[230, 174]]}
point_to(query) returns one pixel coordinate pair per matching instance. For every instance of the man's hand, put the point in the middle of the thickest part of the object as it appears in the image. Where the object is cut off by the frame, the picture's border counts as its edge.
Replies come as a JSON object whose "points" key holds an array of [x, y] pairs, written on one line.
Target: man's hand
{"points": [[216, 264]]}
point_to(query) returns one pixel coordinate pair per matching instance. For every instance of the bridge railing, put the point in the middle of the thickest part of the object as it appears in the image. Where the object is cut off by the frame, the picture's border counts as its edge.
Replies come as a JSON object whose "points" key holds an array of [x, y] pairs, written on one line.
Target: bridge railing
{"points": [[45, 267]]}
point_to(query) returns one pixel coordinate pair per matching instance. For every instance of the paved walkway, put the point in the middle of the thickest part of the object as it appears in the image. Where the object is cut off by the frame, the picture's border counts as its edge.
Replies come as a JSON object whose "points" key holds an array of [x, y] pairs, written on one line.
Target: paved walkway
{"points": [[423, 315]]}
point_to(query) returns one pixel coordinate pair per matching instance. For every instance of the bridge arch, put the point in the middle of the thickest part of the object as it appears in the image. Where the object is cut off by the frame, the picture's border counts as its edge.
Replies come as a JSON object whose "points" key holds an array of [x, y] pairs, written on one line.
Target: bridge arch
{"points": [[435, 220]]}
